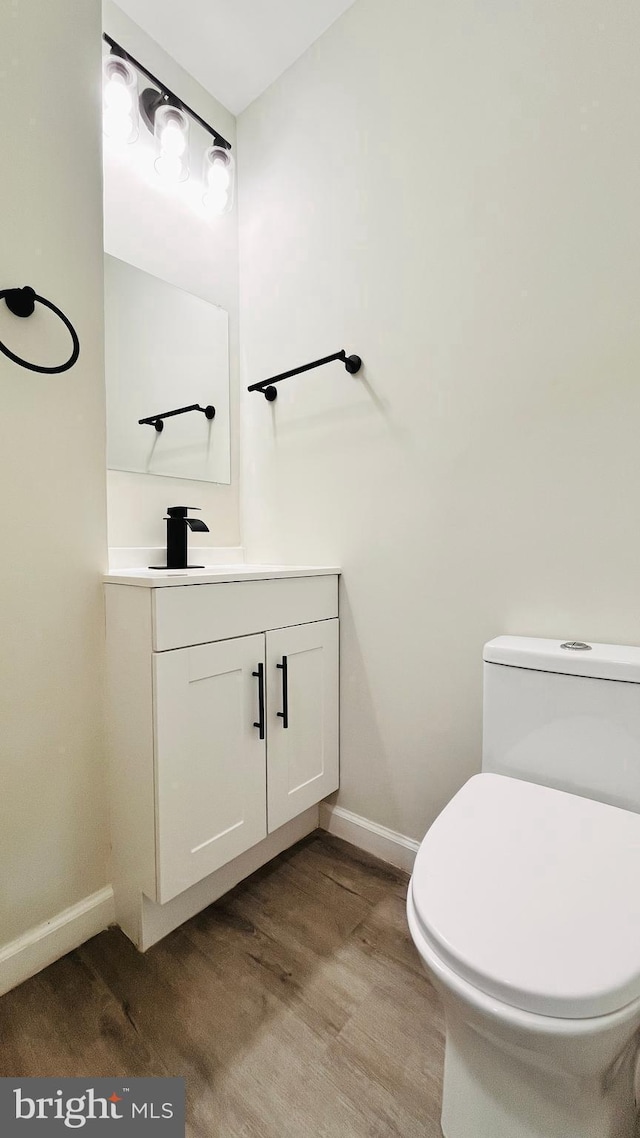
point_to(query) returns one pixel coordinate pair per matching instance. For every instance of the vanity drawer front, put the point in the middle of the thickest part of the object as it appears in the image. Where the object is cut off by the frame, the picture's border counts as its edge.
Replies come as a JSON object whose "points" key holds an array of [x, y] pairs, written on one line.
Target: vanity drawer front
{"points": [[198, 614]]}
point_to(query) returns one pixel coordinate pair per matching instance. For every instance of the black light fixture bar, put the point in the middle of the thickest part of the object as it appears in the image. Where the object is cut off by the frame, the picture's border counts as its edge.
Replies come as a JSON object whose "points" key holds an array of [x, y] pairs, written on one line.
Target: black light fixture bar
{"points": [[167, 94], [156, 420], [265, 387]]}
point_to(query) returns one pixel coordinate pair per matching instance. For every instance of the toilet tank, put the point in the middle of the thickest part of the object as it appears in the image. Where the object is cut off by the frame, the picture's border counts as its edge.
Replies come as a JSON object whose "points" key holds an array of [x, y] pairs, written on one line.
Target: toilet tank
{"points": [[566, 717]]}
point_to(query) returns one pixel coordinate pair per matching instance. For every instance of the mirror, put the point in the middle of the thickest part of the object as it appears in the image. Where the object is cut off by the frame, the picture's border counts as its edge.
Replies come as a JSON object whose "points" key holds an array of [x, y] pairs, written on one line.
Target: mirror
{"points": [[165, 349]]}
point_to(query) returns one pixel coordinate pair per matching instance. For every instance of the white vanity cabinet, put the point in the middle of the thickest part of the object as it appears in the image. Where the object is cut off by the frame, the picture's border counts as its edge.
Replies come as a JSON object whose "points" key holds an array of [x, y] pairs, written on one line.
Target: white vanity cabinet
{"points": [[223, 729]]}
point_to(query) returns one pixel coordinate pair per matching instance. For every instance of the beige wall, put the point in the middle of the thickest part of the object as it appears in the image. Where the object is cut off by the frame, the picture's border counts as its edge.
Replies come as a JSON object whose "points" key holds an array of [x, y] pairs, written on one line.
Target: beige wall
{"points": [[151, 228], [451, 190], [53, 834]]}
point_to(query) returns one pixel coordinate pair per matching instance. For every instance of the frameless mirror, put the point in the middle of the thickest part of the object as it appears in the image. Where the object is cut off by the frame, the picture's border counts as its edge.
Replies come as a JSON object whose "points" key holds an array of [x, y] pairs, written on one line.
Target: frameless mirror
{"points": [[165, 350]]}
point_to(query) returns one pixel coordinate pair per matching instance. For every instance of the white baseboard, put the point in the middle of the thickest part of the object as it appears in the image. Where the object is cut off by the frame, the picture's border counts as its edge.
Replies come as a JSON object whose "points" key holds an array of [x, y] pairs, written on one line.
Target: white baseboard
{"points": [[386, 844], [40, 946]]}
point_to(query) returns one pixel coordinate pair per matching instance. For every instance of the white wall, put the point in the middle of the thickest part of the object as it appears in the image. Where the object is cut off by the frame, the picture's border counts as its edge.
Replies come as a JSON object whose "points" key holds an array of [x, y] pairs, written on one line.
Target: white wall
{"points": [[452, 191], [159, 231], [53, 832]]}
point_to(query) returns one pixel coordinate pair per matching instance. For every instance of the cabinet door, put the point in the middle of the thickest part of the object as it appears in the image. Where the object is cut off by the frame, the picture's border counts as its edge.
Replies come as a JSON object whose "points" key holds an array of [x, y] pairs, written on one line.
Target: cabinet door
{"points": [[302, 738], [210, 759]]}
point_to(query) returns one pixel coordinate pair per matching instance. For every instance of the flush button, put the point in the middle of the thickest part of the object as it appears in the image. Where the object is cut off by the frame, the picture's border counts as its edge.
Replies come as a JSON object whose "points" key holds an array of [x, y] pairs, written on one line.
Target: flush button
{"points": [[576, 646]]}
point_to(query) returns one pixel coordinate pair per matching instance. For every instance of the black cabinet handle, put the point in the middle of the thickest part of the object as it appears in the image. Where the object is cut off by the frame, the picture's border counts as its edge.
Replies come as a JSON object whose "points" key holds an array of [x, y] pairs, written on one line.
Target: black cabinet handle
{"points": [[284, 714], [260, 678]]}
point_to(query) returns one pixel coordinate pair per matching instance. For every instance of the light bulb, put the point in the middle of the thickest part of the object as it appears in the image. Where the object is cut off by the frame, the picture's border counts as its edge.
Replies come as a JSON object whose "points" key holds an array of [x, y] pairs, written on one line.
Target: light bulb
{"points": [[218, 179], [120, 99], [171, 129], [117, 96], [172, 140]]}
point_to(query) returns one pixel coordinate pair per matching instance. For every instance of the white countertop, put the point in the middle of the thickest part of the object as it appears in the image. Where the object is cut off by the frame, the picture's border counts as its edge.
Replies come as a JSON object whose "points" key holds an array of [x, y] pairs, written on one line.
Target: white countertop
{"points": [[213, 574]]}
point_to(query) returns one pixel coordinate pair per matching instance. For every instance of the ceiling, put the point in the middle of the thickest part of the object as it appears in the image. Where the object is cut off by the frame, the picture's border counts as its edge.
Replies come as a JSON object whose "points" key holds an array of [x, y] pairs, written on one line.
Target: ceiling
{"points": [[235, 48]]}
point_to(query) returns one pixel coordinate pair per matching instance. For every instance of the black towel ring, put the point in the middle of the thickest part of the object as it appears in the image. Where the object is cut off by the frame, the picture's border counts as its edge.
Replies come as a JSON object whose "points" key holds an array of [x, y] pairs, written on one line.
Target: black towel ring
{"points": [[22, 302]]}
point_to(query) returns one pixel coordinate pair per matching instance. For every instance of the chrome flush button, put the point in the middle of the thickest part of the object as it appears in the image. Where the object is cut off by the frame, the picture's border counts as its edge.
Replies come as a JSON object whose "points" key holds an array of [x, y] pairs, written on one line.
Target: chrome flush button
{"points": [[576, 646]]}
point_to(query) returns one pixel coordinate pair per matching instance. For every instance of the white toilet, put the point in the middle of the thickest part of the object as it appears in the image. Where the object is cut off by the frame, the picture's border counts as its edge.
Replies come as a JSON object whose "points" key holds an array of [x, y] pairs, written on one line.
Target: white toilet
{"points": [[524, 902]]}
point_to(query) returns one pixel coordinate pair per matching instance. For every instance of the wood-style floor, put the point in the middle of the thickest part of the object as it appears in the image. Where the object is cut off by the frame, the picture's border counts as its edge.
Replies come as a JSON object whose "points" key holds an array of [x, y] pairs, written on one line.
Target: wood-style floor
{"points": [[295, 1006]]}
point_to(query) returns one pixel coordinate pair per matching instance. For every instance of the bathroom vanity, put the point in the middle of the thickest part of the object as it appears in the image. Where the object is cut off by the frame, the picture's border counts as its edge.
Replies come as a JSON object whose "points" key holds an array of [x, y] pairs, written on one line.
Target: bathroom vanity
{"points": [[223, 729]]}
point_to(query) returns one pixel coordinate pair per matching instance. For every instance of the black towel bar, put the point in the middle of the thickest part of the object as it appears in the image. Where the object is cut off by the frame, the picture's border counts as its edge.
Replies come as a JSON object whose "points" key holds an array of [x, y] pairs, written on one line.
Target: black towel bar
{"points": [[156, 420], [266, 388]]}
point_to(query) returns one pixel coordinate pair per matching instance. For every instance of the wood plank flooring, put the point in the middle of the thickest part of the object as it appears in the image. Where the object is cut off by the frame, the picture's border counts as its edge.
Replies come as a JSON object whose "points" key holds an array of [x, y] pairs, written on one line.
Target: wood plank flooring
{"points": [[294, 1006]]}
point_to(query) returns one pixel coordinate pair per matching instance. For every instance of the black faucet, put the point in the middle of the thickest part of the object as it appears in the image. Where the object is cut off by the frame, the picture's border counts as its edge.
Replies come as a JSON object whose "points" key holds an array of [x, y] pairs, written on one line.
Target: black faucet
{"points": [[177, 524]]}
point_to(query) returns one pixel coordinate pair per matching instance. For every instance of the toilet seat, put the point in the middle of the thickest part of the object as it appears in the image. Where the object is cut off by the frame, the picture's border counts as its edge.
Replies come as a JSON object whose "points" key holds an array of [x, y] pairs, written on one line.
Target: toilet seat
{"points": [[533, 896]]}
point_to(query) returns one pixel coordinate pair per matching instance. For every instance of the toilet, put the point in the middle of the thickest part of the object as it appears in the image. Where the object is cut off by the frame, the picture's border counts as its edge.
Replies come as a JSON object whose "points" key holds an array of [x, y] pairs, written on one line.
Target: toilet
{"points": [[524, 902]]}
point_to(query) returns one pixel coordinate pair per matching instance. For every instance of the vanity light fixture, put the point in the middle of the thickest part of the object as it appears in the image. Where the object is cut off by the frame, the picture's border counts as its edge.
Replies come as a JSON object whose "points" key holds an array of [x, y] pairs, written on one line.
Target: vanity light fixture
{"points": [[167, 117]]}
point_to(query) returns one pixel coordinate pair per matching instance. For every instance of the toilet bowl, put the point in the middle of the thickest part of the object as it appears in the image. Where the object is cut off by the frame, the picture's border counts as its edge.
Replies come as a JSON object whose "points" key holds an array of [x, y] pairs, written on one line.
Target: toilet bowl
{"points": [[539, 975], [524, 906], [513, 1074]]}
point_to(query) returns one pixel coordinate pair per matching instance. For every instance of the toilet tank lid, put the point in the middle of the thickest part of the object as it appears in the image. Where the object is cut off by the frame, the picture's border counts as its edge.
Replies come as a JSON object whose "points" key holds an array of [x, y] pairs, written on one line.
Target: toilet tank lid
{"points": [[600, 661]]}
